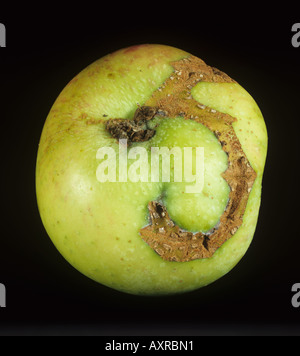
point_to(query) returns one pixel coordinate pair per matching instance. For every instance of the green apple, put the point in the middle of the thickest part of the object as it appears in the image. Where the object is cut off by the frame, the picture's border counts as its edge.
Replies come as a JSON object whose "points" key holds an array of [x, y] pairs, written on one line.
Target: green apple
{"points": [[115, 134]]}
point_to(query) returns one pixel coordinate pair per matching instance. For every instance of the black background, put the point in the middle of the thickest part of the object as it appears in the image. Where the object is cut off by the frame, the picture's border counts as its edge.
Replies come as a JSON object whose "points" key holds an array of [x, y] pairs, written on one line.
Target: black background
{"points": [[47, 45]]}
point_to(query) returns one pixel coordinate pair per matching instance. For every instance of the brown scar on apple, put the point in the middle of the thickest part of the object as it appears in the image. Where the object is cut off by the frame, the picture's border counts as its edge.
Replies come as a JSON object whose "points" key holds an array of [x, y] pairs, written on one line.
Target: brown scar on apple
{"points": [[173, 99], [133, 130]]}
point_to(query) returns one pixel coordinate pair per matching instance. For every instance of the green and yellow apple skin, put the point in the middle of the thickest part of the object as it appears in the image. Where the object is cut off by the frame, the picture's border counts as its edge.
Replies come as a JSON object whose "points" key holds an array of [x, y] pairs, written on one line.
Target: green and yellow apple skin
{"points": [[94, 225]]}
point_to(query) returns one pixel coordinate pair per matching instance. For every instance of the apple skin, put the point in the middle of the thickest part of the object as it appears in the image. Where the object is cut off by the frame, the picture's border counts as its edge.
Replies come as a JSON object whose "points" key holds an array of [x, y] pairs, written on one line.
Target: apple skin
{"points": [[96, 226]]}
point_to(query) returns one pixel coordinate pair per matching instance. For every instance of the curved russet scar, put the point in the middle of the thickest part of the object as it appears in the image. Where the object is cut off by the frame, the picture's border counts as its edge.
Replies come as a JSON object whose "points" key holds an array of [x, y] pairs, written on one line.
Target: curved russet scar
{"points": [[174, 99]]}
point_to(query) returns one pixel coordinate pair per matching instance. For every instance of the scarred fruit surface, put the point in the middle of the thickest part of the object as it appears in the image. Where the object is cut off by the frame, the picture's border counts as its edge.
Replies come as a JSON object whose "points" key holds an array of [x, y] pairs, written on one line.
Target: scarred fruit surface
{"points": [[149, 171]]}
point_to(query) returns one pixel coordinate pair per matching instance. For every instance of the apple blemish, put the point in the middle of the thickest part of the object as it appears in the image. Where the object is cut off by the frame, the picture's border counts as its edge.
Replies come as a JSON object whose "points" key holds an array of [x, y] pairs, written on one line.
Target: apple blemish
{"points": [[174, 99]]}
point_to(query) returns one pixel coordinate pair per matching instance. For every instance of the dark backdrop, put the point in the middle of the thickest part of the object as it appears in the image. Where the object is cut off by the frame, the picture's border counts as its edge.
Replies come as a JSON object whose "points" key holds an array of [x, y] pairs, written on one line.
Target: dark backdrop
{"points": [[46, 47]]}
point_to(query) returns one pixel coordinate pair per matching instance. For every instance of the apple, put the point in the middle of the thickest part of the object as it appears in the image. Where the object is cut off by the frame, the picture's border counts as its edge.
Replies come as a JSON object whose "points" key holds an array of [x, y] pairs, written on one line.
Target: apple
{"points": [[149, 171]]}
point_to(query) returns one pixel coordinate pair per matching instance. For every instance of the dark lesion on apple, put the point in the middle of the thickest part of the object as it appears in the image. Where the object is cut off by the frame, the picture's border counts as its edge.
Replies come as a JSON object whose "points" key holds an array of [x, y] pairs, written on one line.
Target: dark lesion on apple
{"points": [[169, 240], [137, 129], [173, 99], [175, 244]]}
